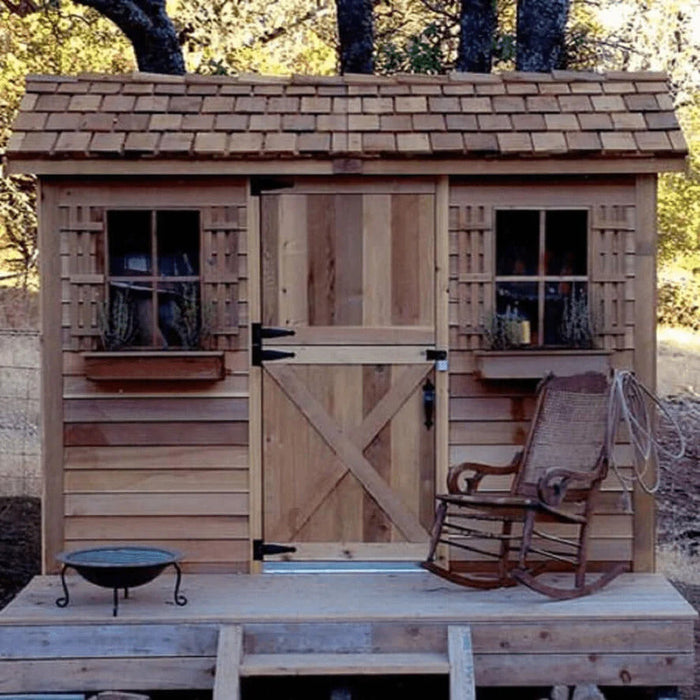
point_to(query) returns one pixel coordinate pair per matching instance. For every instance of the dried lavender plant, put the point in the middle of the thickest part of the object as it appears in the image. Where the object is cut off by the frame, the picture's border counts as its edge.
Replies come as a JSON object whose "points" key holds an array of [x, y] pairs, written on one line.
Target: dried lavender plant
{"points": [[117, 320], [502, 331], [577, 327], [192, 321]]}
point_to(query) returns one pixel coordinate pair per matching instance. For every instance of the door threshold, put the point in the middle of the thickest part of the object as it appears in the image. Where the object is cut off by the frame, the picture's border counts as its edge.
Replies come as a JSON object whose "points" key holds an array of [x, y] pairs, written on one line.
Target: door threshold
{"points": [[341, 567]]}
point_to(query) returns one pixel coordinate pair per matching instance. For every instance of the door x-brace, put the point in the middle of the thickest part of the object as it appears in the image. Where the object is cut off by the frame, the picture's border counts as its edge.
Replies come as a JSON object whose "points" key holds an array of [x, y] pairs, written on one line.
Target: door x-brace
{"points": [[349, 447]]}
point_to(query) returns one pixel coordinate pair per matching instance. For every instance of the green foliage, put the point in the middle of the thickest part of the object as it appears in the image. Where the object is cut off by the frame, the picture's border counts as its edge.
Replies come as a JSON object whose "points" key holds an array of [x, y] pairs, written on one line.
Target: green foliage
{"points": [[58, 39], [422, 53], [678, 301], [18, 234], [272, 37], [679, 198]]}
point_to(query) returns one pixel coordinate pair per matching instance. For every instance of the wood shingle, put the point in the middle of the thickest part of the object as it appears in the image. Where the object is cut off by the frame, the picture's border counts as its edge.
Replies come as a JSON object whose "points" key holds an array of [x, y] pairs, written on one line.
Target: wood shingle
{"points": [[514, 115]]}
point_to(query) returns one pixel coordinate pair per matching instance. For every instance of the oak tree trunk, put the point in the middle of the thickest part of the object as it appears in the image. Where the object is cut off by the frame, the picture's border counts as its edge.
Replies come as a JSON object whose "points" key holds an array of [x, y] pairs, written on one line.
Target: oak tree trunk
{"points": [[356, 36], [540, 34], [477, 29], [149, 29]]}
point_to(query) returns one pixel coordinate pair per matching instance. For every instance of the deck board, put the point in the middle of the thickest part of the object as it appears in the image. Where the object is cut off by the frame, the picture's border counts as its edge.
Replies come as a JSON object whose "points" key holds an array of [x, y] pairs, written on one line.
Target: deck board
{"points": [[637, 631], [342, 597]]}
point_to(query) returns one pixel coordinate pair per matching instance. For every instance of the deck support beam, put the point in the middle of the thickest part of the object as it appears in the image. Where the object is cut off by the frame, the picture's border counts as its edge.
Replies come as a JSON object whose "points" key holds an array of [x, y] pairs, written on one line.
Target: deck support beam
{"points": [[461, 657], [229, 652]]}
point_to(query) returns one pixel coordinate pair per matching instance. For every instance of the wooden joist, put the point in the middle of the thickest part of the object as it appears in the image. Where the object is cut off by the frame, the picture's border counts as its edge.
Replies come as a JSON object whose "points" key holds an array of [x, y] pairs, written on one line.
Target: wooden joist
{"points": [[227, 685], [319, 664], [461, 657]]}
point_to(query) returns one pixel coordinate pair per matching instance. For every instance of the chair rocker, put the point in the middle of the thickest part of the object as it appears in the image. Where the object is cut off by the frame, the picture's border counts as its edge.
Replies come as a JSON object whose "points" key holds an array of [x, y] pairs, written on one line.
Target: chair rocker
{"points": [[555, 479]]}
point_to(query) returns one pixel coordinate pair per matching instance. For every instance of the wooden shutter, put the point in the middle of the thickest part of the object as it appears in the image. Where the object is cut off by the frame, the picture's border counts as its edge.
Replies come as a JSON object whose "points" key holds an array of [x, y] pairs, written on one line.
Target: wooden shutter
{"points": [[223, 270], [83, 274], [612, 266], [471, 273]]}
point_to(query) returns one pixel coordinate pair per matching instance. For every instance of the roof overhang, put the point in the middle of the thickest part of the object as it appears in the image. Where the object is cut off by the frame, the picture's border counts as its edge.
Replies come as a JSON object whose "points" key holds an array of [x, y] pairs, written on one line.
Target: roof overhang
{"points": [[344, 166]]}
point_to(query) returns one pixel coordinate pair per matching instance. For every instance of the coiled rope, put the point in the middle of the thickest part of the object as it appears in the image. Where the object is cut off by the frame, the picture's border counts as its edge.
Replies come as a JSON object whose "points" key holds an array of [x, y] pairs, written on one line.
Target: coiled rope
{"points": [[633, 403]]}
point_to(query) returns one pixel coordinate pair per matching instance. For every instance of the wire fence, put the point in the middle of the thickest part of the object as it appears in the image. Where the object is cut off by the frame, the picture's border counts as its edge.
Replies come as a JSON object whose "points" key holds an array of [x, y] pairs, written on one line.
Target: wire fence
{"points": [[20, 444]]}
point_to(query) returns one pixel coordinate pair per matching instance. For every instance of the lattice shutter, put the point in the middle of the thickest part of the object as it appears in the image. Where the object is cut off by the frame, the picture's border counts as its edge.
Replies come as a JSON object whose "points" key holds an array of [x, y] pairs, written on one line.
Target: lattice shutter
{"points": [[471, 273], [224, 265], [612, 274], [83, 269]]}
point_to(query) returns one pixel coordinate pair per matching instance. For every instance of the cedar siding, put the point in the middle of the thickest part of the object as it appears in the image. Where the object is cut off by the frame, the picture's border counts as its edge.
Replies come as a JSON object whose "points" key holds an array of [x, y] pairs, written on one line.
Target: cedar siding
{"points": [[155, 461], [175, 456], [489, 419]]}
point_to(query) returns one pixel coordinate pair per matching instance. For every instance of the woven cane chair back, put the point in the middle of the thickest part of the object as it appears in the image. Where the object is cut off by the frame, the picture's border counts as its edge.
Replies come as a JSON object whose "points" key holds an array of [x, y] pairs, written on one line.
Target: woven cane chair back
{"points": [[569, 429]]}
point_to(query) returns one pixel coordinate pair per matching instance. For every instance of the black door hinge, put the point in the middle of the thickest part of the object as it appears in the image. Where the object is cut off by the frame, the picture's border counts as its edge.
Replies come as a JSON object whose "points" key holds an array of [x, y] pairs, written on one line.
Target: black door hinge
{"points": [[262, 548], [259, 355], [434, 355], [261, 184]]}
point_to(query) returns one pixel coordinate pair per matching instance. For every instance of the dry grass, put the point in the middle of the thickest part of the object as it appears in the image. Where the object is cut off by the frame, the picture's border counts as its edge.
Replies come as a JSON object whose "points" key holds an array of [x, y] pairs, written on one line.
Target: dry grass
{"points": [[678, 361]]}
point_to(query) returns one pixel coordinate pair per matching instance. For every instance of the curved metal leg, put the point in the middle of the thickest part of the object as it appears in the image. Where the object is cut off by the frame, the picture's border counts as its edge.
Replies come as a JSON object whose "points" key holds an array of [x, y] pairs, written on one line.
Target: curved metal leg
{"points": [[179, 598], [65, 599]]}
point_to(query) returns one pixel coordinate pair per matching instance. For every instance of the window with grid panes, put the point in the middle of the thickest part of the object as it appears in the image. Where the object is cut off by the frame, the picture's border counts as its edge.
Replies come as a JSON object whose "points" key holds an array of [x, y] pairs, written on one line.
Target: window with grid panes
{"points": [[153, 280], [542, 270]]}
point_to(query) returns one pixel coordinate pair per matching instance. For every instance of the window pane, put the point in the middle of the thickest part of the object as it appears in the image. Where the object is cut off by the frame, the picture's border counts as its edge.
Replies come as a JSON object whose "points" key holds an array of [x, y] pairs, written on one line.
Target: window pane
{"points": [[519, 300], [129, 242], [179, 315], [566, 233], [517, 242], [178, 243], [567, 320]]}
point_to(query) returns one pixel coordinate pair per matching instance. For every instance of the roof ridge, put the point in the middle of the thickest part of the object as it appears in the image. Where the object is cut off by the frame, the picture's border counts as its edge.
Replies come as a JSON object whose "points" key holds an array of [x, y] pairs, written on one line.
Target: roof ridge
{"points": [[358, 78]]}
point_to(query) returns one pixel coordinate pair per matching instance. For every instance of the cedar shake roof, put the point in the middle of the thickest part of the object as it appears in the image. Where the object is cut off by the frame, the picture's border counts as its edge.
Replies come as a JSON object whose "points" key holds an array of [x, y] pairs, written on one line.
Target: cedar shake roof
{"points": [[509, 115]]}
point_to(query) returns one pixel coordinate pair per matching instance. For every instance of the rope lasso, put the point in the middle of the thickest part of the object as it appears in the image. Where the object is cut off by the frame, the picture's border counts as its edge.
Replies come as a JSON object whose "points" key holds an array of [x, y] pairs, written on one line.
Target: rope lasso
{"points": [[631, 401]]}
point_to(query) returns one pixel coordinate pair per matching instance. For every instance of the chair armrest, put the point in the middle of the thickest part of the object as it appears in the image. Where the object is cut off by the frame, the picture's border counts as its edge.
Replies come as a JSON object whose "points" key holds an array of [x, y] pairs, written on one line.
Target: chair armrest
{"points": [[459, 484], [554, 484]]}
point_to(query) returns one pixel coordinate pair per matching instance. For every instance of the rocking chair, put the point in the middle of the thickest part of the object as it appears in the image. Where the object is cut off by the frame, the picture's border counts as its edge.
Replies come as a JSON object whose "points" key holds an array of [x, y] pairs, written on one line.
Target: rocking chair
{"points": [[555, 480]]}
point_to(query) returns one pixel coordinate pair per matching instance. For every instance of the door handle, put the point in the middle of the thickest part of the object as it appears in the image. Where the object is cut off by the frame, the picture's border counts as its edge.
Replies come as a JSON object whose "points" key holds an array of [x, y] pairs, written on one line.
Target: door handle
{"points": [[429, 402]]}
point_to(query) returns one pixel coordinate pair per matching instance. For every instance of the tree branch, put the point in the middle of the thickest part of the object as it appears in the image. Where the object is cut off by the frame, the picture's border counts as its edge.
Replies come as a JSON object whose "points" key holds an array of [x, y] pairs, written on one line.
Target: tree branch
{"points": [[126, 14], [277, 32], [439, 10], [22, 8], [147, 25]]}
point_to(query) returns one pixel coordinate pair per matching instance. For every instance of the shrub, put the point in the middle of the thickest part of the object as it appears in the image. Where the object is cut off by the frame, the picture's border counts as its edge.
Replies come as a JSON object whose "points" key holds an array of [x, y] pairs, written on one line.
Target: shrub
{"points": [[679, 302]]}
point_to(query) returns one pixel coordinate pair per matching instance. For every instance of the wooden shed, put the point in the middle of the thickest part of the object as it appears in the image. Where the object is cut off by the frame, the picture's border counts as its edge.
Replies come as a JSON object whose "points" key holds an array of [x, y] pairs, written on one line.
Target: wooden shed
{"points": [[392, 224]]}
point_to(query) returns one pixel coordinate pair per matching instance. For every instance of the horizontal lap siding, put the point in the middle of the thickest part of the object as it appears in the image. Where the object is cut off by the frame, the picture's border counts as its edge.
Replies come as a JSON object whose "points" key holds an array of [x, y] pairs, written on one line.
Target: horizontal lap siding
{"points": [[163, 463], [489, 420]]}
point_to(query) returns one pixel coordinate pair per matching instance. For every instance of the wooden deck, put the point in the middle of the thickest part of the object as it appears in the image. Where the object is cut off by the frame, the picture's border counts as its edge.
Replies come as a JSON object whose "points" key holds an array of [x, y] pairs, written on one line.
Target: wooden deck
{"points": [[638, 631]]}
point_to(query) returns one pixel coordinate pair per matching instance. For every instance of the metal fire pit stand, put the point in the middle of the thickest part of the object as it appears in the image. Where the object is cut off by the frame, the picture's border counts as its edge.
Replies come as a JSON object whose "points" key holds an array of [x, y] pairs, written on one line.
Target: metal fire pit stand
{"points": [[120, 568]]}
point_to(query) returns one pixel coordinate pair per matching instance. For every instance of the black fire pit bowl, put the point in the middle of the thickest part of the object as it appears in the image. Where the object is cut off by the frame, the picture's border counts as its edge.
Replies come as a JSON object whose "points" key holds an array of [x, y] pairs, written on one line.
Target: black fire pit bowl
{"points": [[120, 567]]}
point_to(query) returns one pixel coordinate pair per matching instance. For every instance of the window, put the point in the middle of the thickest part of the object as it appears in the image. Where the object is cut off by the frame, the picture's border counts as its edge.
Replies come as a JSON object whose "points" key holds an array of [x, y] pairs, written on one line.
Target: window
{"points": [[542, 275], [153, 282]]}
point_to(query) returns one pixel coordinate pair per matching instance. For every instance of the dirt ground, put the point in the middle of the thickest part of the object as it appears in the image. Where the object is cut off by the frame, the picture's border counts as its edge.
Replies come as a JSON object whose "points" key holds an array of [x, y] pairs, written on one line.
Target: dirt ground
{"points": [[20, 544]]}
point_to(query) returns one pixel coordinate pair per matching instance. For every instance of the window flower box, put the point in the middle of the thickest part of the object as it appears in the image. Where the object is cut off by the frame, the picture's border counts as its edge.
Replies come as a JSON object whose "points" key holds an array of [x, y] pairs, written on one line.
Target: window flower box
{"points": [[190, 365], [536, 363]]}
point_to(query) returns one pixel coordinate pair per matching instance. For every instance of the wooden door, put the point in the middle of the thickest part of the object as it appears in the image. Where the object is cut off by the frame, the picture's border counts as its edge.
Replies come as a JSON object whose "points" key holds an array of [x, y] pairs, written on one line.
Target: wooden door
{"points": [[348, 462]]}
